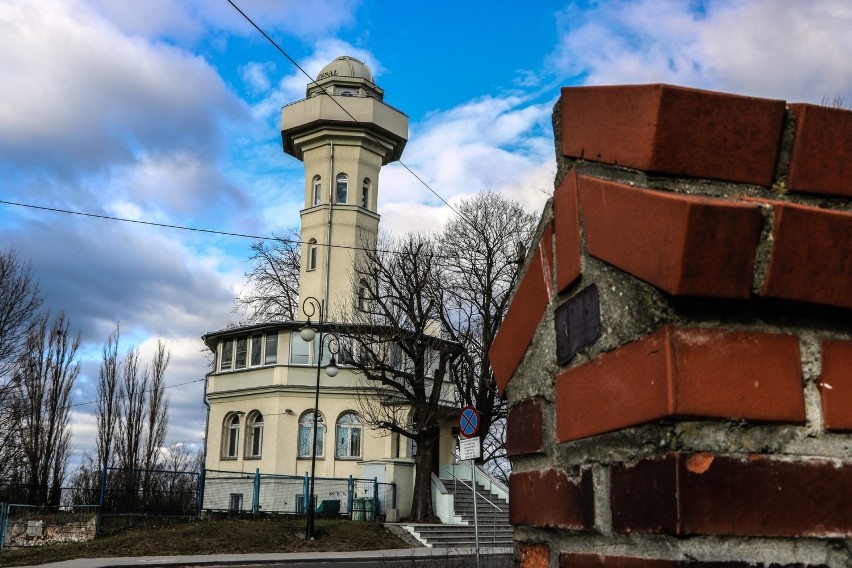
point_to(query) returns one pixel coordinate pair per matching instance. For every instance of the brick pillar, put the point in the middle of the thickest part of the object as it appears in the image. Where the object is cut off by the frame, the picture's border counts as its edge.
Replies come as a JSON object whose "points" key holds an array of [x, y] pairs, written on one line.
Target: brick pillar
{"points": [[677, 356]]}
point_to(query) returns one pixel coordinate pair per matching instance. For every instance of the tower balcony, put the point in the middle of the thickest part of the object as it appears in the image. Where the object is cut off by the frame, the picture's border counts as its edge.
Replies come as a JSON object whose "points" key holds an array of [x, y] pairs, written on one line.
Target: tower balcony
{"points": [[337, 111]]}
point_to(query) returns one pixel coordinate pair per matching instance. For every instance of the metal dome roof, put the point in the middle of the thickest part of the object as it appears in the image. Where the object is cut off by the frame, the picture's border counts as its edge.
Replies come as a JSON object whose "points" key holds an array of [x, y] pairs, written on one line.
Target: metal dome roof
{"points": [[346, 66]]}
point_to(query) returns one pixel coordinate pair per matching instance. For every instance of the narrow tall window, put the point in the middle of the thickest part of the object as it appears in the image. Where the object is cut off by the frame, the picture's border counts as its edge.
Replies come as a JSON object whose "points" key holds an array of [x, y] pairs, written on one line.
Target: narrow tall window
{"points": [[348, 436], [342, 188], [362, 295], [240, 357], [256, 349], [231, 436], [306, 435], [271, 354], [365, 194], [312, 254], [254, 447], [299, 350], [227, 355], [317, 191]]}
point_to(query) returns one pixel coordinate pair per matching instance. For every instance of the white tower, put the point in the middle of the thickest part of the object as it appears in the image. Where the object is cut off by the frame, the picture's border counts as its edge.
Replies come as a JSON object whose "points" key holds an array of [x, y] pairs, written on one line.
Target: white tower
{"points": [[344, 134]]}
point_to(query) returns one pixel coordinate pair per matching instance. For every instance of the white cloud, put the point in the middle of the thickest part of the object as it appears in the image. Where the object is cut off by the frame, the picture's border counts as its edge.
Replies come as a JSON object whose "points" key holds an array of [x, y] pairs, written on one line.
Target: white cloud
{"points": [[786, 49]]}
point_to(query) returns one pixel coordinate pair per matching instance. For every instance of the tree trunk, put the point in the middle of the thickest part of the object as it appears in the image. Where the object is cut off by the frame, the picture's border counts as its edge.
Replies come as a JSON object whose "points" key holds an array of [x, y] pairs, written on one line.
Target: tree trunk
{"points": [[421, 504]]}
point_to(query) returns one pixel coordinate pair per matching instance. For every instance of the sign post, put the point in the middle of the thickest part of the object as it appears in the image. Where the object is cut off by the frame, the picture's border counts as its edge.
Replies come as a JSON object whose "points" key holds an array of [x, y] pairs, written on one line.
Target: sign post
{"points": [[470, 449]]}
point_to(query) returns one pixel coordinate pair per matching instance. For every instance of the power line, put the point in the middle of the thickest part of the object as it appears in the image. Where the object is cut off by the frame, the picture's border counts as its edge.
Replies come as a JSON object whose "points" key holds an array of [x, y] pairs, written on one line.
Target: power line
{"points": [[148, 391], [299, 67], [184, 228]]}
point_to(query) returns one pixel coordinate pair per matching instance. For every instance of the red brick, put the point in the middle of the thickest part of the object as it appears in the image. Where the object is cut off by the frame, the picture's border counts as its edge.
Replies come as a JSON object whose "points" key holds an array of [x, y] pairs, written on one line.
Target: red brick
{"points": [[821, 160], [524, 428], [810, 259], [734, 497], [566, 217], [531, 299], [552, 499], [683, 244], [674, 130], [835, 384], [683, 373], [533, 556]]}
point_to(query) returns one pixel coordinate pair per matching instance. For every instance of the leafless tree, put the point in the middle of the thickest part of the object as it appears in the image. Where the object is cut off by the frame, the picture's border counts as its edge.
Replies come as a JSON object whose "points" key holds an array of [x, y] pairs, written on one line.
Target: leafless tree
{"points": [[837, 101], [134, 393], [20, 299], [480, 253], [109, 396], [157, 409], [44, 377], [272, 284], [393, 346]]}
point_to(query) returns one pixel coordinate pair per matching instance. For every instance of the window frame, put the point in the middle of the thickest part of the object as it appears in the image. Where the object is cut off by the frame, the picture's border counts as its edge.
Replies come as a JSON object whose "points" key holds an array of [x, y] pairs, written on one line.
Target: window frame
{"points": [[260, 343], [254, 431], [312, 256], [231, 436], [341, 188], [306, 425], [345, 430], [316, 197]]}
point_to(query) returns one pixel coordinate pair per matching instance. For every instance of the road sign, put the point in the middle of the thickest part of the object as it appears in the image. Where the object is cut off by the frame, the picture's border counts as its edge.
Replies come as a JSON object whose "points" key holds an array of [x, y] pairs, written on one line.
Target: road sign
{"points": [[469, 449], [469, 422]]}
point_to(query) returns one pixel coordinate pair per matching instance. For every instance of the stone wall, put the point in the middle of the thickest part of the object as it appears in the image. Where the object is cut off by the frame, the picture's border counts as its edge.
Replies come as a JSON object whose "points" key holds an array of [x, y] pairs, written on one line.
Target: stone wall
{"points": [[677, 356], [40, 532]]}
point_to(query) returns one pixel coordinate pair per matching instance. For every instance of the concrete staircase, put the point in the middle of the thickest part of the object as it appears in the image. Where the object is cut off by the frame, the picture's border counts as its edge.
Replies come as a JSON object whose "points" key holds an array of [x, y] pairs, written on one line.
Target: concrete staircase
{"points": [[494, 527]]}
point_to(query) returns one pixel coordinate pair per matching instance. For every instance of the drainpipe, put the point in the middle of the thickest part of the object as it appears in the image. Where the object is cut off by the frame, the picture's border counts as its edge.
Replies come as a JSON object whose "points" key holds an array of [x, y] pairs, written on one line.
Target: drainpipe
{"points": [[332, 191]]}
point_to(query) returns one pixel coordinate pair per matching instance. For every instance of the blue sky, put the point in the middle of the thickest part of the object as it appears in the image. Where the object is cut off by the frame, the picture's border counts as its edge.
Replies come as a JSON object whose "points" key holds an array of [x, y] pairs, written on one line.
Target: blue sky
{"points": [[168, 111]]}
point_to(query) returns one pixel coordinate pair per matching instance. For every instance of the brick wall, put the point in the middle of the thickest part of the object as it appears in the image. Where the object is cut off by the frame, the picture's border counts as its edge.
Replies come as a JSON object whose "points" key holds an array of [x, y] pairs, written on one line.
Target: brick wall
{"points": [[677, 356]]}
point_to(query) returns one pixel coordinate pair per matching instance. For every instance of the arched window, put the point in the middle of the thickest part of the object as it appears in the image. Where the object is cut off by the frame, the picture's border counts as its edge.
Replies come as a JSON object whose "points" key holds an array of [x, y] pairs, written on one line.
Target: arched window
{"points": [[348, 436], [230, 436], [312, 254], [306, 435], [365, 193], [317, 191], [342, 188], [254, 443]]}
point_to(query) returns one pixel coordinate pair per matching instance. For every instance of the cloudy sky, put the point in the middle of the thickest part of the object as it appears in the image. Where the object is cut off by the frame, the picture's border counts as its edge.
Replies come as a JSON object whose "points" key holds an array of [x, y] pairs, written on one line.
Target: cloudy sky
{"points": [[168, 111]]}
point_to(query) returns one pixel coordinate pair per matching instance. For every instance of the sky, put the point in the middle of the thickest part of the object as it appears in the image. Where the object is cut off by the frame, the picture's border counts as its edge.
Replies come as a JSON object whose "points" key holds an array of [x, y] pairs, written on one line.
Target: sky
{"points": [[168, 111]]}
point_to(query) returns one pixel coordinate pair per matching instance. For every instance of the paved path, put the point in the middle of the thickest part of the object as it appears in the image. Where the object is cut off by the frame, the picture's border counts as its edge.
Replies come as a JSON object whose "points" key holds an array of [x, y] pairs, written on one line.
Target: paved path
{"points": [[411, 556]]}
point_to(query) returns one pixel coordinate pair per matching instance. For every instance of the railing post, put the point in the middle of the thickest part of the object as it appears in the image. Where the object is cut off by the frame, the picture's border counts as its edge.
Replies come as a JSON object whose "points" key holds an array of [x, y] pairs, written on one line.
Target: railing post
{"points": [[101, 502], [255, 493], [199, 491], [375, 498], [307, 498], [4, 521], [350, 496]]}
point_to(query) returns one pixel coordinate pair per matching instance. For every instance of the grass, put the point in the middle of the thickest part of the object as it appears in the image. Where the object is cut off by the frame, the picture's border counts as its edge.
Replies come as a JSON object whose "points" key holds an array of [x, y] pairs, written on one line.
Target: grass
{"points": [[222, 536]]}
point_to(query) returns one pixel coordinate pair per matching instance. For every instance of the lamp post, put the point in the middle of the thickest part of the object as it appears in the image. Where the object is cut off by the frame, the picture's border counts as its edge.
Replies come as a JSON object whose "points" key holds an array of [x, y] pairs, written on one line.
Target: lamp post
{"points": [[310, 307]]}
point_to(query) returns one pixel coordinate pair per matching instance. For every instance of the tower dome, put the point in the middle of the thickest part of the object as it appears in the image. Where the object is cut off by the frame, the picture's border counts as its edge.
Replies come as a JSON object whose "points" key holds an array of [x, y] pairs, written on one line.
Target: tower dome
{"points": [[346, 66], [345, 76]]}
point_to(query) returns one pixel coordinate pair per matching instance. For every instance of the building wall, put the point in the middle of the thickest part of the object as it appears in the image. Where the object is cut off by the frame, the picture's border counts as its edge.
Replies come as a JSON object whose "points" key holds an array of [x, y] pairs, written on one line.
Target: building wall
{"points": [[678, 353]]}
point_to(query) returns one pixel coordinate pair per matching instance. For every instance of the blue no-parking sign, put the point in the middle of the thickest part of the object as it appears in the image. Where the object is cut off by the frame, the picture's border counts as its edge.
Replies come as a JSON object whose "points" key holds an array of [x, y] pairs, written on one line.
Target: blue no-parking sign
{"points": [[469, 422]]}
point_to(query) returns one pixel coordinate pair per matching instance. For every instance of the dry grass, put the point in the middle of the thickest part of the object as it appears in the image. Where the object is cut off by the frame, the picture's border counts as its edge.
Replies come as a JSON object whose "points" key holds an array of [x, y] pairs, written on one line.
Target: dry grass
{"points": [[225, 536]]}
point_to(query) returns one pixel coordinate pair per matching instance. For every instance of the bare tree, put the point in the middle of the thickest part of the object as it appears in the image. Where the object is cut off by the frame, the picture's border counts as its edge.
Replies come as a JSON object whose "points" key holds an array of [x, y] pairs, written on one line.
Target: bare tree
{"points": [[272, 287], [134, 393], [109, 392], [402, 364], [157, 412], [481, 252], [44, 377], [20, 299]]}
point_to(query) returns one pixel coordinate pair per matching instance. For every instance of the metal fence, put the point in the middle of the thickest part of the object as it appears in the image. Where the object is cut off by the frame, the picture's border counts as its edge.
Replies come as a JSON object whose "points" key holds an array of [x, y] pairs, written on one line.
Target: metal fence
{"points": [[360, 499], [155, 492]]}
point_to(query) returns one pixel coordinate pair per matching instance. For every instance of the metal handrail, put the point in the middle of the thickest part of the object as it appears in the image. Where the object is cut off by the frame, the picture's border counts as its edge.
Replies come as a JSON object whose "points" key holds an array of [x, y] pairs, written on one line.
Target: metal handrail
{"points": [[484, 498]]}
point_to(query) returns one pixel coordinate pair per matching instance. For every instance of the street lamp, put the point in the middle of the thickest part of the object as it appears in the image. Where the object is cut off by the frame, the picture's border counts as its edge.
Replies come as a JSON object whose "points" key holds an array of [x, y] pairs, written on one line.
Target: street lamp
{"points": [[310, 307]]}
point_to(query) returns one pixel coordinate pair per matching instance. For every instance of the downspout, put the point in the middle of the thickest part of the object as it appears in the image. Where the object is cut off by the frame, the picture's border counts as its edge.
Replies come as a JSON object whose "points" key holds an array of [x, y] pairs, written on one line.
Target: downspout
{"points": [[331, 197]]}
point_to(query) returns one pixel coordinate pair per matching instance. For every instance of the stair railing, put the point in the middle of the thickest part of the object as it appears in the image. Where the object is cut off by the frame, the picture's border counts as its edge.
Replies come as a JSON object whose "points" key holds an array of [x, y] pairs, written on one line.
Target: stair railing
{"points": [[477, 494]]}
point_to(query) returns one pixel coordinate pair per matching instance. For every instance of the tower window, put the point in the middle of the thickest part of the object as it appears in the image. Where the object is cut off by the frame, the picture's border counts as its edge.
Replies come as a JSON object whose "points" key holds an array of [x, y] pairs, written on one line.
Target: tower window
{"points": [[231, 436], [312, 254], [254, 444], [342, 188], [317, 190], [365, 193]]}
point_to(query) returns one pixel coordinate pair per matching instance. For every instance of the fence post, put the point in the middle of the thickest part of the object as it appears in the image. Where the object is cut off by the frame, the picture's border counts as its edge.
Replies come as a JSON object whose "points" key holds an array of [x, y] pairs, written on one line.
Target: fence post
{"points": [[393, 487], [375, 498], [306, 500], [4, 522], [199, 491], [350, 490], [255, 494], [101, 501]]}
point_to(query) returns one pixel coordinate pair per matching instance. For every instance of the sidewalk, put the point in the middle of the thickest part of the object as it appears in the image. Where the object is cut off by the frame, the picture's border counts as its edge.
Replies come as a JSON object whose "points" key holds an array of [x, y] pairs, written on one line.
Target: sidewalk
{"points": [[276, 558]]}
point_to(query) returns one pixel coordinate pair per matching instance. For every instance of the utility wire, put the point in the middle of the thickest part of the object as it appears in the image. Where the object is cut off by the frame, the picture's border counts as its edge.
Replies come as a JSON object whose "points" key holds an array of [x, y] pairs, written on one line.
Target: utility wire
{"points": [[183, 228], [147, 391], [334, 99]]}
